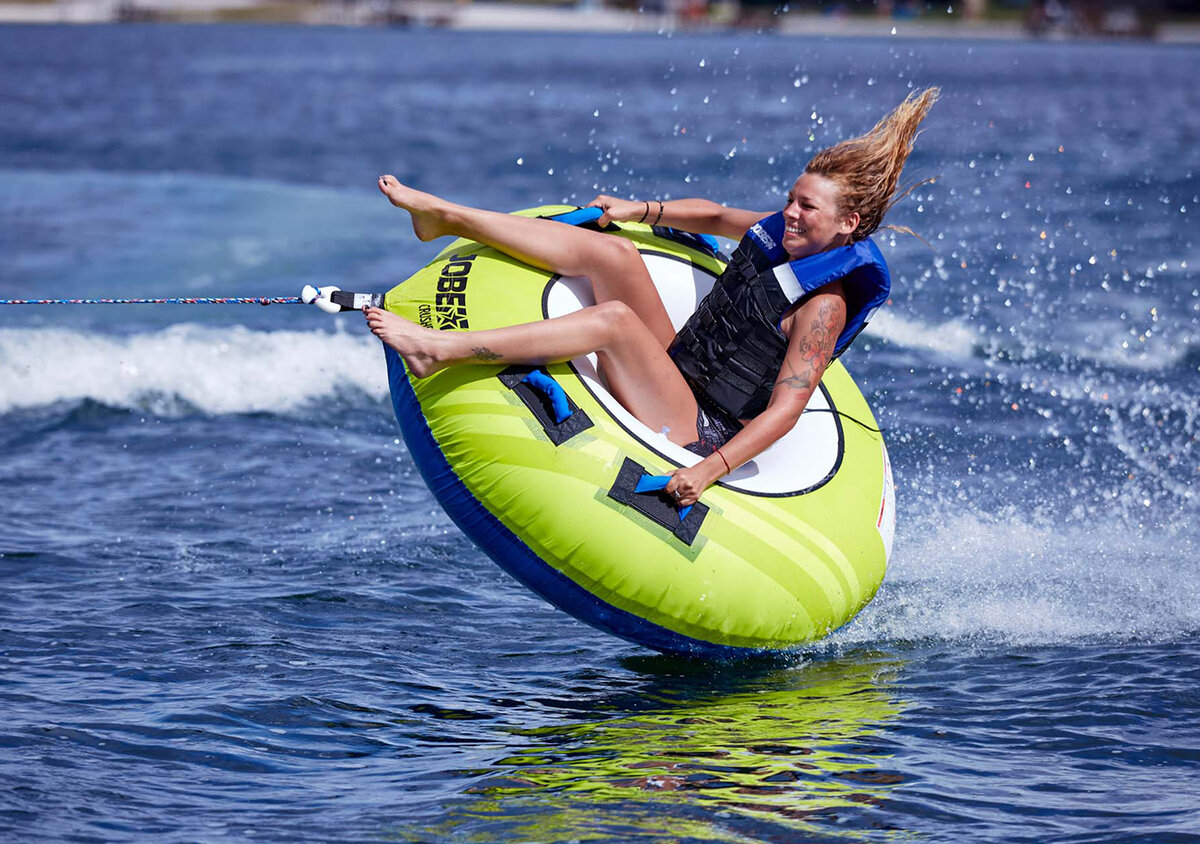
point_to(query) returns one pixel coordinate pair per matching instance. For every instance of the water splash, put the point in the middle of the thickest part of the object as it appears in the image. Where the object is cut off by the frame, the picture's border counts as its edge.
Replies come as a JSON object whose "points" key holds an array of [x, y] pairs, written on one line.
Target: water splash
{"points": [[1014, 578], [187, 367]]}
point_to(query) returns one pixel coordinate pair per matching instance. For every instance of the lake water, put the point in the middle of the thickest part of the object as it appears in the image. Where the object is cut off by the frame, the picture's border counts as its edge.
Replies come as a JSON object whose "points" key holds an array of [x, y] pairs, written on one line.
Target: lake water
{"points": [[232, 610]]}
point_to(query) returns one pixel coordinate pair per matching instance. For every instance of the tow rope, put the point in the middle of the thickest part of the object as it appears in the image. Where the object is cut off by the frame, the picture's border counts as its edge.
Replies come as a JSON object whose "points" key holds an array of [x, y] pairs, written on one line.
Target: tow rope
{"points": [[329, 299]]}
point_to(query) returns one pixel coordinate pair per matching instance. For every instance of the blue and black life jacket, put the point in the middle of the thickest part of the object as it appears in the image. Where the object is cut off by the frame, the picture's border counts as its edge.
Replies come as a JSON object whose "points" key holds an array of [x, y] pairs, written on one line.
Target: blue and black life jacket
{"points": [[731, 349]]}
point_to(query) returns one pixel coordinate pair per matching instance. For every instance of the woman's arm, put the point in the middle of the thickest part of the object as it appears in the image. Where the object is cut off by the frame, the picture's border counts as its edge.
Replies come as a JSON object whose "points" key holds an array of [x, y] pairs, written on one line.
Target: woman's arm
{"points": [[701, 216], [812, 337]]}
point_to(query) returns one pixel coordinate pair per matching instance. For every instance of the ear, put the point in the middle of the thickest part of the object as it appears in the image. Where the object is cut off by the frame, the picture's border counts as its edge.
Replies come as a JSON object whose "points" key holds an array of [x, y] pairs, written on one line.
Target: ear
{"points": [[849, 223]]}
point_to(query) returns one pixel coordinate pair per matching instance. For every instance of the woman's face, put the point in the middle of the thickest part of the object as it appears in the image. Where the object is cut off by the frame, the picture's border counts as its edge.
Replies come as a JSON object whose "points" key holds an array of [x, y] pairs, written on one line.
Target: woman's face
{"points": [[813, 220]]}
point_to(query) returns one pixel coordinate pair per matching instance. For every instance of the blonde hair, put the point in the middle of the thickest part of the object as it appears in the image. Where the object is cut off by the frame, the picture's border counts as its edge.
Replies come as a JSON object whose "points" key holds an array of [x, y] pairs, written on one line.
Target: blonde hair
{"points": [[867, 168]]}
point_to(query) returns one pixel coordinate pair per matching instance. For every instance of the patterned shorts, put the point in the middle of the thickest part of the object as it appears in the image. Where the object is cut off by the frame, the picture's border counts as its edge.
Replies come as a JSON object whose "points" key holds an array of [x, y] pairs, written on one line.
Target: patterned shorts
{"points": [[714, 429]]}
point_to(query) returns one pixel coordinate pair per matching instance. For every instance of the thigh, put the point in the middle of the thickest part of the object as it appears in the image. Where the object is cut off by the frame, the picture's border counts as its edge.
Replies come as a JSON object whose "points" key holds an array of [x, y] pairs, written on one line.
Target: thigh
{"points": [[610, 262], [618, 273], [631, 283], [644, 379]]}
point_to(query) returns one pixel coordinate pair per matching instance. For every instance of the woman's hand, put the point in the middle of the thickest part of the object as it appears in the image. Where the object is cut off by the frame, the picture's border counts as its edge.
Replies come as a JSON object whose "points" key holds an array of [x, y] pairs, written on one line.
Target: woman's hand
{"points": [[689, 482], [622, 210]]}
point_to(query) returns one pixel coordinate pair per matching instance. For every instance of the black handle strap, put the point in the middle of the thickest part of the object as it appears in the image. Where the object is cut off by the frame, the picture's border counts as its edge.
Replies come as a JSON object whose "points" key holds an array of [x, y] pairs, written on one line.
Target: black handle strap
{"points": [[653, 503], [546, 399]]}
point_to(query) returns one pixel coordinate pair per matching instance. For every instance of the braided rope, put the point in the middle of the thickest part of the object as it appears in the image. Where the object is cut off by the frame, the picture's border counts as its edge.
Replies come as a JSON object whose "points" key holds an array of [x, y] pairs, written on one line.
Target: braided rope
{"points": [[228, 300]]}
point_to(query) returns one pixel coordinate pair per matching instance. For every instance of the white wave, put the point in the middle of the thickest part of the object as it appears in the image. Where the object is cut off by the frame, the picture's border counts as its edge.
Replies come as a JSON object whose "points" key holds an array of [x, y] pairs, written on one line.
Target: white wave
{"points": [[972, 578], [951, 338], [215, 370], [1106, 343], [1154, 356]]}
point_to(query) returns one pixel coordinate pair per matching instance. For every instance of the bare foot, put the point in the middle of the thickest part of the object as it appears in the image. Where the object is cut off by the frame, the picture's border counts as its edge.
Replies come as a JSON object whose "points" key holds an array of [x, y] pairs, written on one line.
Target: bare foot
{"points": [[417, 345], [427, 210]]}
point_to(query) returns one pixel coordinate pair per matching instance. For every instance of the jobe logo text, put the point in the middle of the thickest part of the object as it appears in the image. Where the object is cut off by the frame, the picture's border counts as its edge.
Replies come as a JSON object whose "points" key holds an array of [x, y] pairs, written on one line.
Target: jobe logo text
{"points": [[450, 305]]}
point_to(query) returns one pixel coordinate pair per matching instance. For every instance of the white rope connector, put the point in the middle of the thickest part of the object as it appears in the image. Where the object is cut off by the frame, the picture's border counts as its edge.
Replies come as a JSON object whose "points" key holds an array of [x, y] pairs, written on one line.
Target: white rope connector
{"points": [[322, 297]]}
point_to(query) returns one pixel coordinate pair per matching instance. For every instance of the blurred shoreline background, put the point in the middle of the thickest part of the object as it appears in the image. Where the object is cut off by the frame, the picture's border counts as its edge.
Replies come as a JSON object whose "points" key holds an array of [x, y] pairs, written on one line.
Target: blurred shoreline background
{"points": [[1168, 21]]}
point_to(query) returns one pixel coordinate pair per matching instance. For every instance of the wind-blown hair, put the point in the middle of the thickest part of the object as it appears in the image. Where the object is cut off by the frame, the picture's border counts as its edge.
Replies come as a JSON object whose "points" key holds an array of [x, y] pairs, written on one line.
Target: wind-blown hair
{"points": [[867, 169]]}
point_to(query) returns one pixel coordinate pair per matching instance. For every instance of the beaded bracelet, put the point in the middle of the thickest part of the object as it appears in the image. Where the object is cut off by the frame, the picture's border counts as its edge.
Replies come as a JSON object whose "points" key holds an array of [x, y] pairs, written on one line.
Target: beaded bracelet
{"points": [[660, 211]]}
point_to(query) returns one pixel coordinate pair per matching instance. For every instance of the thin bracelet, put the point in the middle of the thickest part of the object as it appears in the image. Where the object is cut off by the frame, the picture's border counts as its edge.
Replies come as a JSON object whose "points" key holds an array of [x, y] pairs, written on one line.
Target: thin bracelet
{"points": [[717, 451], [660, 212], [647, 214]]}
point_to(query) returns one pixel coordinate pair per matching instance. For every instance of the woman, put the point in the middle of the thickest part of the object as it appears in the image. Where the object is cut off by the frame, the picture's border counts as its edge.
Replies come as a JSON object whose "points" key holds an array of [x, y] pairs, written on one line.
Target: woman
{"points": [[726, 397]]}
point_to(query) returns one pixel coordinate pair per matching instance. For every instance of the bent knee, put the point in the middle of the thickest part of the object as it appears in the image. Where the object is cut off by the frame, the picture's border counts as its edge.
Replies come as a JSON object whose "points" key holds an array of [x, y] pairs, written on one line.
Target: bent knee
{"points": [[616, 313], [617, 320], [617, 253]]}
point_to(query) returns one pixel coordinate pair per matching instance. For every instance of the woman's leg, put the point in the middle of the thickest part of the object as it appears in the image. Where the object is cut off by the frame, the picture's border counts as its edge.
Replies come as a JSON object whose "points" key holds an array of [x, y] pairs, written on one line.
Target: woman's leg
{"points": [[611, 263], [640, 373]]}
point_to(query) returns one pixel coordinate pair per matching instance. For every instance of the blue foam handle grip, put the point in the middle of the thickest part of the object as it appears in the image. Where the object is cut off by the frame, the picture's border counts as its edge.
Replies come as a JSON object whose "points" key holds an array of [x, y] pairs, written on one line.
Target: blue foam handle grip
{"points": [[653, 483], [579, 216], [583, 216], [548, 387]]}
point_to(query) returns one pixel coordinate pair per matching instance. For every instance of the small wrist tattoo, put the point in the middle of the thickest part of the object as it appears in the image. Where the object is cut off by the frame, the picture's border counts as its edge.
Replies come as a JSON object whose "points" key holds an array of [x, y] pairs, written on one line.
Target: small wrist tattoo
{"points": [[483, 353]]}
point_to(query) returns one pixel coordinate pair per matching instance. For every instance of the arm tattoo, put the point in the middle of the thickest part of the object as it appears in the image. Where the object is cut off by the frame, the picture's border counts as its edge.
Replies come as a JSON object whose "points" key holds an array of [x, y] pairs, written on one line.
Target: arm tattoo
{"points": [[484, 354], [814, 349]]}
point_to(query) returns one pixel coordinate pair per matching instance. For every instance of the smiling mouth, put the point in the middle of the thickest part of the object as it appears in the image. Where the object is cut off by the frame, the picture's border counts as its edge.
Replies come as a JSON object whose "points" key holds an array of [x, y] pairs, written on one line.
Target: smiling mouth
{"points": [[794, 230]]}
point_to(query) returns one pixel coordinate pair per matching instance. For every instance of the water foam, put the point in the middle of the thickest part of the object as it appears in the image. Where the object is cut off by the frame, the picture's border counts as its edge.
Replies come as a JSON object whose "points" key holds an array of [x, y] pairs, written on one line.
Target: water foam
{"points": [[973, 578], [951, 339], [217, 371], [1105, 344]]}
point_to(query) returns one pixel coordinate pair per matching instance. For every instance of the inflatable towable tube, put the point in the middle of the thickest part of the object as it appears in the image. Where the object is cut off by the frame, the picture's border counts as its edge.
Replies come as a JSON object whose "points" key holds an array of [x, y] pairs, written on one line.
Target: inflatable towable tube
{"points": [[560, 485]]}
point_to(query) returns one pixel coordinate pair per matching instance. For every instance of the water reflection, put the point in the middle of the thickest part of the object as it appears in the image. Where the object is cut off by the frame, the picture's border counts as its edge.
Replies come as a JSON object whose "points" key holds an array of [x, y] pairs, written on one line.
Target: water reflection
{"points": [[690, 755]]}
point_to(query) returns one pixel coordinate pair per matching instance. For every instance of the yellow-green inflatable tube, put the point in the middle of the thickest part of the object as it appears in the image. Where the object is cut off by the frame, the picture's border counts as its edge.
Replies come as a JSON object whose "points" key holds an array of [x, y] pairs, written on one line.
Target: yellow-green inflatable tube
{"points": [[781, 552]]}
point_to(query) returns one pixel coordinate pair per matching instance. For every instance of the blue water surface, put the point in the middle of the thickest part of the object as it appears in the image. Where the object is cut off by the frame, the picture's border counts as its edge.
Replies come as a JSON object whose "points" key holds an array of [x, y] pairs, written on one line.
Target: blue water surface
{"points": [[232, 610]]}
